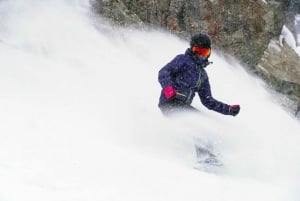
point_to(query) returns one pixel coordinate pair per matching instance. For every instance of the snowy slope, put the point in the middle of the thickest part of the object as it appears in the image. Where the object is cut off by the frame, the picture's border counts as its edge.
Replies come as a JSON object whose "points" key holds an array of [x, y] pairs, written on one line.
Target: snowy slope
{"points": [[79, 117]]}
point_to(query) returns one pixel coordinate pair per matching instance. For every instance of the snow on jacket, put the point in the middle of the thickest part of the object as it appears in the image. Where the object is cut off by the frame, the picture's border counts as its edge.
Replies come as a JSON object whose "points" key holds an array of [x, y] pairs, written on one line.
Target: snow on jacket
{"points": [[187, 75]]}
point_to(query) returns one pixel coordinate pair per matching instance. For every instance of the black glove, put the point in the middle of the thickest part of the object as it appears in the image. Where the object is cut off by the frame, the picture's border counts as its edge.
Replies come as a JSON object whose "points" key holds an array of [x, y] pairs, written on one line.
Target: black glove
{"points": [[234, 109]]}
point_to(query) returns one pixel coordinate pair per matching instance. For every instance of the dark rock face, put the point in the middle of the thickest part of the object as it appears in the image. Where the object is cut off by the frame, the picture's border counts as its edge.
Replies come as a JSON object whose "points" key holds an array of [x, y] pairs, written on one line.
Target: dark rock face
{"points": [[117, 11], [240, 27], [243, 28], [280, 64]]}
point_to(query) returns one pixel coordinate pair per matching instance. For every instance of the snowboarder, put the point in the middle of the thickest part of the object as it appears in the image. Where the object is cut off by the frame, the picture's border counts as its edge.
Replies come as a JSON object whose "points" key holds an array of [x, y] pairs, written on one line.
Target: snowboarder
{"points": [[185, 75]]}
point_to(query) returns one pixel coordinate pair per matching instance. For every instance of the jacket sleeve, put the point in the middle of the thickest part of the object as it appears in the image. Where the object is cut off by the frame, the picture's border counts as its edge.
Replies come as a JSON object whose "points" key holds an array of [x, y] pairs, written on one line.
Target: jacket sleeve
{"points": [[167, 73], [208, 101]]}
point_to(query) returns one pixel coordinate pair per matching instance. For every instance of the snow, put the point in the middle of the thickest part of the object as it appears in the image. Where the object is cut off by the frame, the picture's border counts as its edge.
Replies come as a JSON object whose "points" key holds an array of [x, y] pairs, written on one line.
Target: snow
{"points": [[79, 117], [297, 28], [288, 37], [274, 45]]}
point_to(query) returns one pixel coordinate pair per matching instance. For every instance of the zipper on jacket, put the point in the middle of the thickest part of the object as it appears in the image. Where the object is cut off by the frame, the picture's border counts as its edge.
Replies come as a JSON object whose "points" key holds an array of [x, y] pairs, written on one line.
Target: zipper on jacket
{"points": [[180, 94], [189, 96], [199, 78]]}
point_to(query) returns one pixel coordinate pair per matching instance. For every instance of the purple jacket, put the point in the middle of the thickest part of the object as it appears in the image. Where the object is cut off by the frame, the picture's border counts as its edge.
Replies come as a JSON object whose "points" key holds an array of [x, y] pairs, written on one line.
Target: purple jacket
{"points": [[187, 75]]}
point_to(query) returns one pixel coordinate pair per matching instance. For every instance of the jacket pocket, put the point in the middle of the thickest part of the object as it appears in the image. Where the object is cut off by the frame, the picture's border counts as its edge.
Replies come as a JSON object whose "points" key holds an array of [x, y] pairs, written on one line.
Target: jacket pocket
{"points": [[183, 96]]}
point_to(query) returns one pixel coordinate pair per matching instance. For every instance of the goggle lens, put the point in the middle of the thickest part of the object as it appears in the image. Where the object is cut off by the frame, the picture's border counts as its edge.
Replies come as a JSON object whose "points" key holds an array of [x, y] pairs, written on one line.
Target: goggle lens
{"points": [[205, 52]]}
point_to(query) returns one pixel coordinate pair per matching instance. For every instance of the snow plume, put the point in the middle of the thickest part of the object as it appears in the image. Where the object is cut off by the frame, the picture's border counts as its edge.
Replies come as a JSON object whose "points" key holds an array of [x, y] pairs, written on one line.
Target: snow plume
{"points": [[79, 117]]}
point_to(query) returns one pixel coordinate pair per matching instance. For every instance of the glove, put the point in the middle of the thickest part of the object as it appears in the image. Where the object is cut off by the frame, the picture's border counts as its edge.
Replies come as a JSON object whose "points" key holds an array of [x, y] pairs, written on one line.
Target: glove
{"points": [[234, 109], [169, 92]]}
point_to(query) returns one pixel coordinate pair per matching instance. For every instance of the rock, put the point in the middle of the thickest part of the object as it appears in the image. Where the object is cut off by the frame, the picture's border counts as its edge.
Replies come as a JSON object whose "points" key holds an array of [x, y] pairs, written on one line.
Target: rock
{"points": [[242, 28], [116, 11], [280, 68]]}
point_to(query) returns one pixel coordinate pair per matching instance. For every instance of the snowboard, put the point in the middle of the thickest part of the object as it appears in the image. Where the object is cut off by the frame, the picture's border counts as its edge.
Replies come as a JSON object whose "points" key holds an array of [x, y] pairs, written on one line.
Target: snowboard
{"points": [[206, 160]]}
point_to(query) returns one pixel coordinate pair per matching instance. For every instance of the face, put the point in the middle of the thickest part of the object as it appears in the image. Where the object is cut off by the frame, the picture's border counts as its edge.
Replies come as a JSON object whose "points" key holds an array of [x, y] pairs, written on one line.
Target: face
{"points": [[201, 51]]}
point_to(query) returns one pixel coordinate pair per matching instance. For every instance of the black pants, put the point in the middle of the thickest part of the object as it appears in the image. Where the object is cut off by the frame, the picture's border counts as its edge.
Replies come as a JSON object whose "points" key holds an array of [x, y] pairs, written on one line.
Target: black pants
{"points": [[174, 107]]}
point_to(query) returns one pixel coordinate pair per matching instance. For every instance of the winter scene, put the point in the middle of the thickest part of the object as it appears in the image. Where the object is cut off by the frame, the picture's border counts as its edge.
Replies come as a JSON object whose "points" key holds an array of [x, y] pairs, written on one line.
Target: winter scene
{"points": [[158, 100]]}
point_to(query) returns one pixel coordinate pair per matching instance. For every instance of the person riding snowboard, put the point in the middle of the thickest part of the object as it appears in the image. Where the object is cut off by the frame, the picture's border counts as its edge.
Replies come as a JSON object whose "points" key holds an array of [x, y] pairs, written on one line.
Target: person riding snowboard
{"points": [[185, 75]]}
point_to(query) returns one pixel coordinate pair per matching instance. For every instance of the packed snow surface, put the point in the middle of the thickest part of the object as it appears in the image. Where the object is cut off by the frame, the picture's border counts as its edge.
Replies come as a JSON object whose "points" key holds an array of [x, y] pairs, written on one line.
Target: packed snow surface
{"points": [[79, 117]]}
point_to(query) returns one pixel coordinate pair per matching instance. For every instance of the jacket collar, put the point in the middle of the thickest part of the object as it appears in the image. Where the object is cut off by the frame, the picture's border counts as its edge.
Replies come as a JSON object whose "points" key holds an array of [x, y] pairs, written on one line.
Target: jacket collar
{"points": [[197, 59]]}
